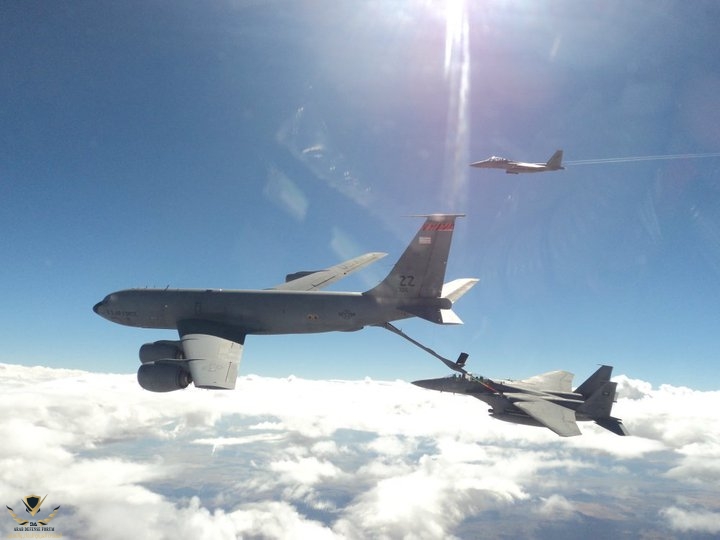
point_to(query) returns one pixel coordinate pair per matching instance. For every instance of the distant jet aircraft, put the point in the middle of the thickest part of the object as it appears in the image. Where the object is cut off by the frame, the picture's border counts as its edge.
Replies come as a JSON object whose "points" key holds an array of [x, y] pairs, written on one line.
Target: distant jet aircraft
{"points": [[517, 167], [545, 400], [213, 323]]}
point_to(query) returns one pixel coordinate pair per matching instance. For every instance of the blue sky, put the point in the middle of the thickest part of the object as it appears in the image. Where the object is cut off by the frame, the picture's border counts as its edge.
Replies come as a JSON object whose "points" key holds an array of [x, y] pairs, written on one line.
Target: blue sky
{"points": [[225, 144]]}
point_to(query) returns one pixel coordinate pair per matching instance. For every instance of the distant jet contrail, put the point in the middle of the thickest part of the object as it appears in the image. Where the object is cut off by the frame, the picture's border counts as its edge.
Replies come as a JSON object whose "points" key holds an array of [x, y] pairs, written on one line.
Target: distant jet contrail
{"points": [[631, 159]]}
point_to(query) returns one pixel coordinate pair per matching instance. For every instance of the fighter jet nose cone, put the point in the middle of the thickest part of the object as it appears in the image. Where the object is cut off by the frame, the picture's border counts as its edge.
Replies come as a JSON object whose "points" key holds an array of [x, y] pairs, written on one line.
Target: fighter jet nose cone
{"points": [[96, 307], [423, 384]]}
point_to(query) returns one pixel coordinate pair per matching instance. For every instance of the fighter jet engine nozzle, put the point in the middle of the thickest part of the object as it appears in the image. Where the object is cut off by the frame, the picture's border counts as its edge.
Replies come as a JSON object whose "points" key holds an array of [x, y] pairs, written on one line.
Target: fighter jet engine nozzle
{"points": [[161, 350], [164, 377]]}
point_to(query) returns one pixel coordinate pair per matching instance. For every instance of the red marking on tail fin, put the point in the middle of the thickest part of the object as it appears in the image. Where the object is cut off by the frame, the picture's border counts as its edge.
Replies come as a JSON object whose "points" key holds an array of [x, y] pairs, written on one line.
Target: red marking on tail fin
{"points": [[439, 226]]}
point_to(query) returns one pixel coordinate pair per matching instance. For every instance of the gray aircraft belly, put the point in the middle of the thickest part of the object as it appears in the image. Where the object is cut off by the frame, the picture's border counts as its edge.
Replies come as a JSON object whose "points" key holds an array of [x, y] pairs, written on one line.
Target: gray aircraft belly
{"points": [[255, 312], [302, 312]]}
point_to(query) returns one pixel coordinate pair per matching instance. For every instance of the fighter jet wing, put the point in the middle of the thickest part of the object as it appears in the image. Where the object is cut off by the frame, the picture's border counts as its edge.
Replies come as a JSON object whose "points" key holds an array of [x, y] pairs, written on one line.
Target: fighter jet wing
{"points": [[554, 381], [310, 281], [555, 417]]}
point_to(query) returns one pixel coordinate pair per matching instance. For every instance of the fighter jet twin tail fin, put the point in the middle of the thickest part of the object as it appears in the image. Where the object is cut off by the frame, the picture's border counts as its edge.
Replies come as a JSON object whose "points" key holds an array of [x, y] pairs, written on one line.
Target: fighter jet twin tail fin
{"points": [[597, 394]]}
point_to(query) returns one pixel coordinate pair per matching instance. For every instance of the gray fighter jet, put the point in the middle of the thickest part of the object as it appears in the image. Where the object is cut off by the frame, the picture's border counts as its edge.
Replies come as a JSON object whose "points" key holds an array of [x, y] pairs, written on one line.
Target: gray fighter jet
{"points": [[545, 400], [517, 167], [213, 323]]}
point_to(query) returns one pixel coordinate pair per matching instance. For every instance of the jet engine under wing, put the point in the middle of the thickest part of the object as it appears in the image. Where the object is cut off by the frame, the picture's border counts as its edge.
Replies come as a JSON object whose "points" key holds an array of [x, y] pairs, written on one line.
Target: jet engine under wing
{"points": [[212, 361], [322, 278], [207, 361], [555, 417]]}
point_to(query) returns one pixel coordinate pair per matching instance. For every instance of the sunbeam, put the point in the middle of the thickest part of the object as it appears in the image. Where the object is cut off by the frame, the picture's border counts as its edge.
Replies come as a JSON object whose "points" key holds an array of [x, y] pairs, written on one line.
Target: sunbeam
{"points": [[457, 75]]}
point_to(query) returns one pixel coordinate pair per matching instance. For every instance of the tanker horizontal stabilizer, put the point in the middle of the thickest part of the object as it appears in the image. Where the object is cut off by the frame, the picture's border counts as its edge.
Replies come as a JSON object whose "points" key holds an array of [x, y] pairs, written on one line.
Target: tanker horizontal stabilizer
{"points": [[455, 289]]}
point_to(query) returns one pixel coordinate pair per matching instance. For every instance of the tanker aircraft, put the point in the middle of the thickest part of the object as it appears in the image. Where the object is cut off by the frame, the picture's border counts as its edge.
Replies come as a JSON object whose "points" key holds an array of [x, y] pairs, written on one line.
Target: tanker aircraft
{"points": [[545, 400], [517, 167], [213, 323]]}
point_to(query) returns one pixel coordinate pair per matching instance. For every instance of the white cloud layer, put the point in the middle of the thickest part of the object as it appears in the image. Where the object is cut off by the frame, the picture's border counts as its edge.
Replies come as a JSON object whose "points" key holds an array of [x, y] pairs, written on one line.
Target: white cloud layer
{"points": [[292, 458]]}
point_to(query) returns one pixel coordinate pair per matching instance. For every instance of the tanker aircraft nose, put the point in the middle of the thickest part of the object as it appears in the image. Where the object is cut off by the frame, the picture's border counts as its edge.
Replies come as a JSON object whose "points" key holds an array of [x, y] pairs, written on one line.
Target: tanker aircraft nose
{"points": [[101, 308]]}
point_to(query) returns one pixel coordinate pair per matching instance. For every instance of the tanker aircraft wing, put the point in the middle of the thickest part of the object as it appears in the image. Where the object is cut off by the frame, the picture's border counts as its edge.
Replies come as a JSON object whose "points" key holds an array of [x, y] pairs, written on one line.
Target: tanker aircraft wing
{"points": [[319, 279]]}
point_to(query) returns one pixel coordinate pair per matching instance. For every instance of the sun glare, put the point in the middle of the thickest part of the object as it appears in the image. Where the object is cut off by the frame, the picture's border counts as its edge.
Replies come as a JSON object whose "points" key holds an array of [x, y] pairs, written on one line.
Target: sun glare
{"points": [[457, 75], [455, 30]]}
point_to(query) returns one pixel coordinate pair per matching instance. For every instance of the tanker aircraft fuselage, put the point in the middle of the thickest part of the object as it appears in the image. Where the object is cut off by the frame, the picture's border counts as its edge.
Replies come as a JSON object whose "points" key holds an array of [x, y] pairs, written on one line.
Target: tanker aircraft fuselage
{"points": [[213, 323]]}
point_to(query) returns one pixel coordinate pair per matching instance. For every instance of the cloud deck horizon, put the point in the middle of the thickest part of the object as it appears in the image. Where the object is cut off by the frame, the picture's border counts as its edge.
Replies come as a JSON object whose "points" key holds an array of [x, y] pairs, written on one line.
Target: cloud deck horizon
{"points": [[286, 458]]}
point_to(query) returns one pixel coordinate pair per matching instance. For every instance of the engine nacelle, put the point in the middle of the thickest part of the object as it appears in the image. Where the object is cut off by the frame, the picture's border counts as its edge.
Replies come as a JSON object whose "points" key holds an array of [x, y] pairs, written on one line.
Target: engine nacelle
{"points": [[161, 350], [164, 376]]}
